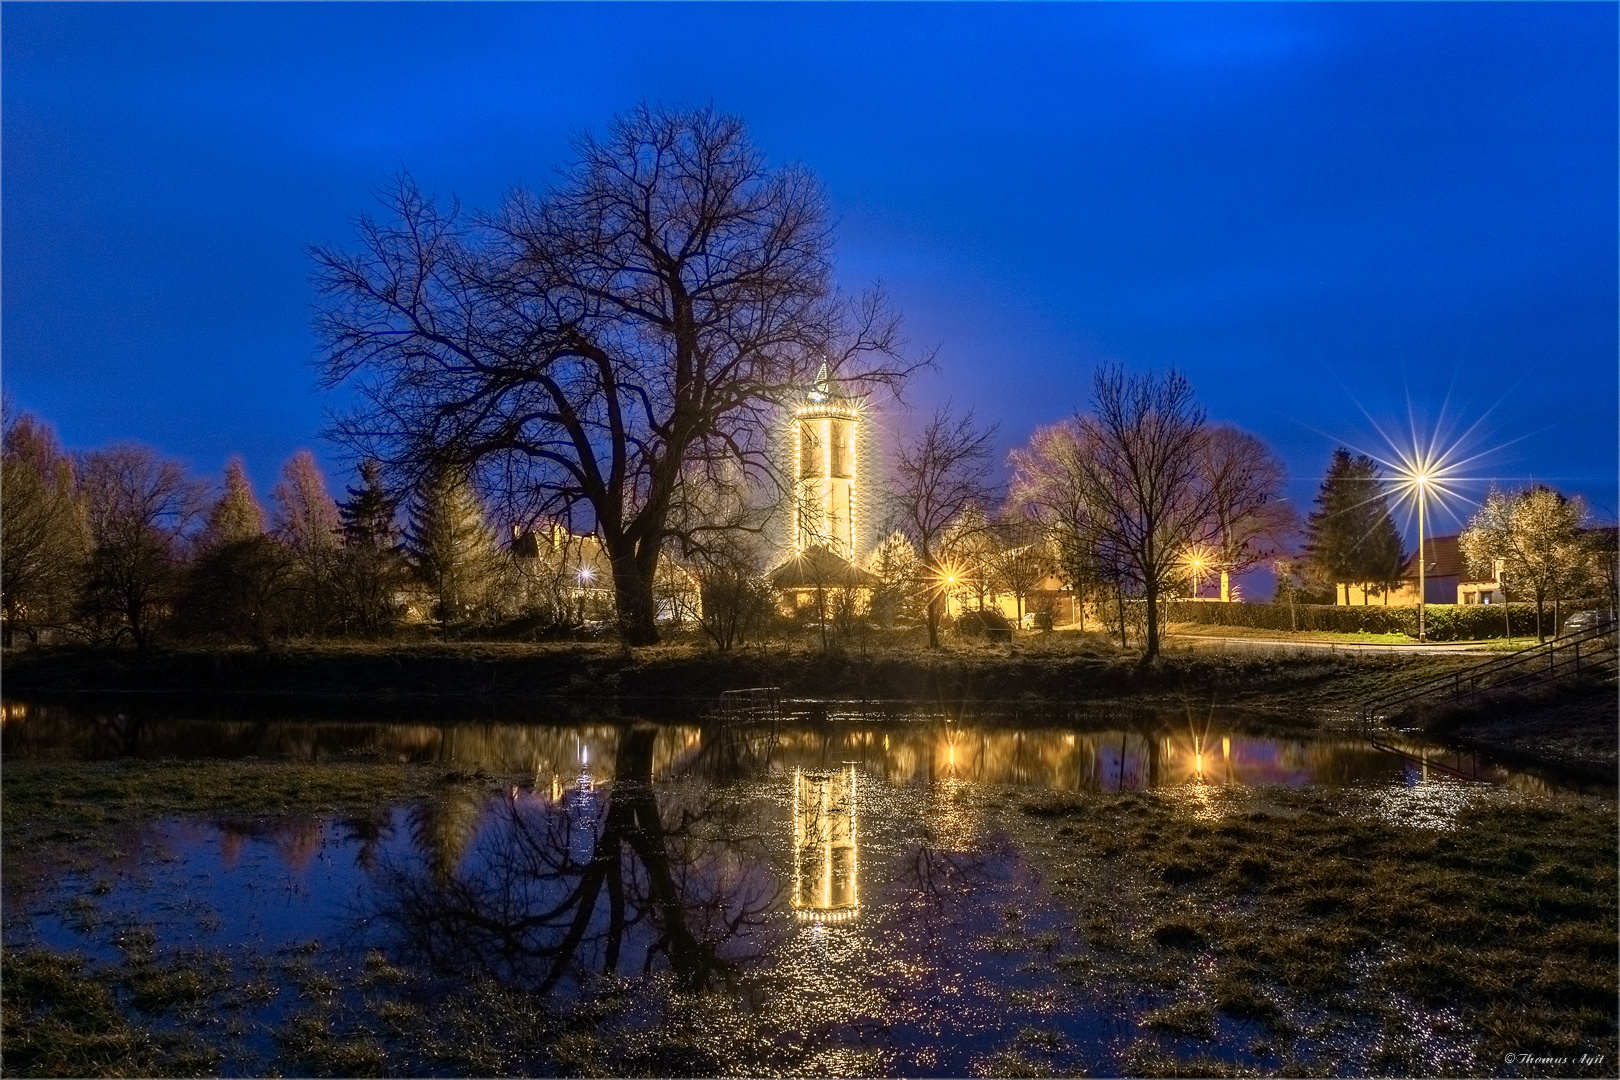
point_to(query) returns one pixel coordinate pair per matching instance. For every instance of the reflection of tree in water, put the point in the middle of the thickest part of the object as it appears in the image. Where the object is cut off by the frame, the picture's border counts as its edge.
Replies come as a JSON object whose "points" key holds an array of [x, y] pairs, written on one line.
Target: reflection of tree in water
{"points": [[548, 889], [443, 827]]}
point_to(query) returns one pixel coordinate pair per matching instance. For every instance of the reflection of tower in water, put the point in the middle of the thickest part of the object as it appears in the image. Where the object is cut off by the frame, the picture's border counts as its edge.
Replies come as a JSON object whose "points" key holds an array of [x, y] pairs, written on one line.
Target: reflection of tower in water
{"points": [[824, 856]]}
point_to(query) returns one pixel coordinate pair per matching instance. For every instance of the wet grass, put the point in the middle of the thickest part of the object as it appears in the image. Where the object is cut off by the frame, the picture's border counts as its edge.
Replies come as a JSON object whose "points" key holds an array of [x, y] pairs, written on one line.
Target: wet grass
{"points": [[61, 1019], [1299, 915], [50, 803]]}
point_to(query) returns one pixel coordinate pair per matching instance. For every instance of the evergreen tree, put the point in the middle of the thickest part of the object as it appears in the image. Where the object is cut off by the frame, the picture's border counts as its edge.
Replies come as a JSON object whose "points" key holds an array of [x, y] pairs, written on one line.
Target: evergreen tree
{"points": [[1350, 536], [242, 584], [367, 516], [901, 582], [370, 568], [237, 516], [453, 549]]}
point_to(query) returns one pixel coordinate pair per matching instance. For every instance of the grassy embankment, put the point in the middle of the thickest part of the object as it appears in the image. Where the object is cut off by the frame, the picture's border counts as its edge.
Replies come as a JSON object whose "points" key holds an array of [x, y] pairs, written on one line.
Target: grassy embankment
{"points": [[1059, 667]]}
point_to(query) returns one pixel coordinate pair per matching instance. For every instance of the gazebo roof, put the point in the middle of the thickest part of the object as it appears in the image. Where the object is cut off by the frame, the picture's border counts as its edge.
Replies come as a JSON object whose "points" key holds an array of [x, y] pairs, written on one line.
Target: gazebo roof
{"points": [[819, 568]]}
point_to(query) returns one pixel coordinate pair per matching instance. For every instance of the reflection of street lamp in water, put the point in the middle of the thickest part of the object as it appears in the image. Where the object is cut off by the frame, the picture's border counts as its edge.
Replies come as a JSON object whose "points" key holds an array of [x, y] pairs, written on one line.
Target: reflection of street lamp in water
{"points": [[825, 866]]}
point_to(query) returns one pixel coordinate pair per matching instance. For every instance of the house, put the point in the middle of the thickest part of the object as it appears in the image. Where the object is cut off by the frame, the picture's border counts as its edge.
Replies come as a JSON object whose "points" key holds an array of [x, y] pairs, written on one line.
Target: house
{"points": [[571, 573], [1446, 580]]}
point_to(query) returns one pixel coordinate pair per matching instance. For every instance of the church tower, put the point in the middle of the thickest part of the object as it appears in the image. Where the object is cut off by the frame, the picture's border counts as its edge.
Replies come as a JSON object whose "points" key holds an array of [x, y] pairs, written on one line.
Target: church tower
{"points": [[825, 510]]}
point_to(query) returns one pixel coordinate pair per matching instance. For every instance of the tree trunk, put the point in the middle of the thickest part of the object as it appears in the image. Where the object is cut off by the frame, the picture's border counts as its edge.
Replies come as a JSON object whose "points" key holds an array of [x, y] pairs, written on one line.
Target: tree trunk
{"points": [[633, 594], [1119, 605], [933, 622], [1151, 589], [137, 626], [1540, 599]]}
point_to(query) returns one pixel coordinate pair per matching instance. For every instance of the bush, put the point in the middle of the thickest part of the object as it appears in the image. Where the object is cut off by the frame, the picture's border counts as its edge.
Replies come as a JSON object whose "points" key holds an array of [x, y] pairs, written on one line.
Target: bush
{"points": [[1445, 622]]}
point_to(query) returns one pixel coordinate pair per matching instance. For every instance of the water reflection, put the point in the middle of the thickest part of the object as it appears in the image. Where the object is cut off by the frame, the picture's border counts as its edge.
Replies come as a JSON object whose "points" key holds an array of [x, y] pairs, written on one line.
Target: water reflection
{"points": [[551, 885], [825, 861], [1145, 752]]}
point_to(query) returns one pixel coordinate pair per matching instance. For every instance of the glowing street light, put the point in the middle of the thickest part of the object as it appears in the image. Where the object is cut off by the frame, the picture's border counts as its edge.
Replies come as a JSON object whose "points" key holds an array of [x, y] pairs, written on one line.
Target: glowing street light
{"points": [[1422, 482], [1420, 476], [1197, 560]]}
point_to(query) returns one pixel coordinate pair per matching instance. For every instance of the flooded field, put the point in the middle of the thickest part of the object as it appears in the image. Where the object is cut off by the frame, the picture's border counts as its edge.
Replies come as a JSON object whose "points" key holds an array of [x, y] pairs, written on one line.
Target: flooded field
{"points": [[831, 894]]}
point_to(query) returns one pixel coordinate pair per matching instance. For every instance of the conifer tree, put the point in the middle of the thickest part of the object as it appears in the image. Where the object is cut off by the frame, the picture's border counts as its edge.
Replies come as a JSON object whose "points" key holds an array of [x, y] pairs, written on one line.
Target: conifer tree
{"points": [[452, 547], [900, 580], [243, 582], [370, 567], [237, 516], [1350, 536], [306, 523], [367, 516]]}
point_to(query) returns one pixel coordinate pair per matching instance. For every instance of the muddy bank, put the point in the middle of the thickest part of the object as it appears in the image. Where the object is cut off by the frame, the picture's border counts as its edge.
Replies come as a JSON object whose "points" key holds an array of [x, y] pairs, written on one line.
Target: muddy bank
{"points": [[495, 673]]}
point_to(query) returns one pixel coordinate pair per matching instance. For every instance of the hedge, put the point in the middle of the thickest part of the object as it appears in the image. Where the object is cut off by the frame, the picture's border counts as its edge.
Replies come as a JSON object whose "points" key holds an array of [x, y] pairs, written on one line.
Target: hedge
{"points": [[1445, 622]]}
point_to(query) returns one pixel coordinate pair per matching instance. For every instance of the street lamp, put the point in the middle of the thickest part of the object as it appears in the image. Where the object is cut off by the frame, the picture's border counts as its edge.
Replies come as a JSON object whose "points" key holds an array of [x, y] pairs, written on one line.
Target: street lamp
{"points": [[1421, 482], [1422, 476]]}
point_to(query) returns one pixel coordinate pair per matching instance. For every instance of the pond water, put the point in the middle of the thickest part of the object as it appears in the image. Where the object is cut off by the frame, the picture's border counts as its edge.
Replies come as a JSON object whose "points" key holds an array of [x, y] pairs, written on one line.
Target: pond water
{"points": [[839, 893]]}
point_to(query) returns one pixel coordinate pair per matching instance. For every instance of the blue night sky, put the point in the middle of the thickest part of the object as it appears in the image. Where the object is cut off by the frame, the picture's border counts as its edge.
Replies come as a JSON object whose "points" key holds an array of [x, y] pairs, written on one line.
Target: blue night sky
{"points": [[1330, 216]]}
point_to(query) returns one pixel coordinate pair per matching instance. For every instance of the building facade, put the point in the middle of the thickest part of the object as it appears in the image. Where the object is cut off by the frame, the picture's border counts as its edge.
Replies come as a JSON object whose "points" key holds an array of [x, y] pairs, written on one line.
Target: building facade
{"points": [[1445, 581]]}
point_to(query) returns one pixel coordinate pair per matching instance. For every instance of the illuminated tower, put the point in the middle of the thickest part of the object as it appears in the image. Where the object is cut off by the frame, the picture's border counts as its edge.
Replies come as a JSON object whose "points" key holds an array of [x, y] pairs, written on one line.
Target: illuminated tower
{"points": [[825, 433], [825, 867]]}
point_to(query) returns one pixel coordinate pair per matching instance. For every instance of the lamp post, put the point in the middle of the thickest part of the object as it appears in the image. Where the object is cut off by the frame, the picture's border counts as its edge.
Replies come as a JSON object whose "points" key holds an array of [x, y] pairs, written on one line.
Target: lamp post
{"points": [[1422, 484]]}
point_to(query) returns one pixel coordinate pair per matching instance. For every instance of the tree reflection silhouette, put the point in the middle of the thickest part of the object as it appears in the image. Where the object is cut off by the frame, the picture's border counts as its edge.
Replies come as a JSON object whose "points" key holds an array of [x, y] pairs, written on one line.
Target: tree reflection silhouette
{"points": [[545, 889]]}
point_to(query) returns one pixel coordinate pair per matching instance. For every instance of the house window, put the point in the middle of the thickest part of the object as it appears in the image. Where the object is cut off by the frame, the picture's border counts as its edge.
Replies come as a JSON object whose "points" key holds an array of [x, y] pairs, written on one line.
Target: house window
{"points": [[1470, 598]]}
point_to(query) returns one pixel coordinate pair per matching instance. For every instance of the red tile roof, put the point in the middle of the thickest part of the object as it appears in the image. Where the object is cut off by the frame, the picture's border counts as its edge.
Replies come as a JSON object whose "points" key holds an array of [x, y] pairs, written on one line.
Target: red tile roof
{"points": [[1442, 558]]}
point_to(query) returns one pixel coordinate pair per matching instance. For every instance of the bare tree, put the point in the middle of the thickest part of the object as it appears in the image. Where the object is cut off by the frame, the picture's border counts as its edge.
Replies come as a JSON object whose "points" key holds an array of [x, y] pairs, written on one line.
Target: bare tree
{"points": [[139, 509], [1248, 522], [1142, 479], [1048, 486], [595, 346], [736, 598], [1018, 565], [938, 475], [306, 520], [560, 890], [967, 551]]}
